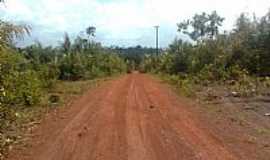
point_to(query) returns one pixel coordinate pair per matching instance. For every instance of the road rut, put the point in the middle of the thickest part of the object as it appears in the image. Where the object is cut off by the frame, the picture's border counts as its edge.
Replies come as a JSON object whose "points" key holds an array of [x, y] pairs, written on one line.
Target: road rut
{"points": [[131, 118]]}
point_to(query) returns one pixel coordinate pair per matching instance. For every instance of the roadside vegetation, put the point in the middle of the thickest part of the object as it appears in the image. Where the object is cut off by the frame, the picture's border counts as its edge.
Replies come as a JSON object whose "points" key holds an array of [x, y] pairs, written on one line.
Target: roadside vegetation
{"points": [[226, 73], [212, 65], [239, 59], [35, 78]]}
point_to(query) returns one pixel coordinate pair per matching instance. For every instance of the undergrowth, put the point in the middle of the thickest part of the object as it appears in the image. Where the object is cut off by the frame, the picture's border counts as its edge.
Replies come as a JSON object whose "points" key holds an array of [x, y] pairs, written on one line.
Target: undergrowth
{"points": [[16, 120], [238, 82]]}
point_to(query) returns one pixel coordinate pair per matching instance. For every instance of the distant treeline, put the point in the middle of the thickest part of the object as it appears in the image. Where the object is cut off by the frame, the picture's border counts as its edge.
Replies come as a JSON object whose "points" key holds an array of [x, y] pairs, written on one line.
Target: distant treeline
{"points": [[133, 56]]}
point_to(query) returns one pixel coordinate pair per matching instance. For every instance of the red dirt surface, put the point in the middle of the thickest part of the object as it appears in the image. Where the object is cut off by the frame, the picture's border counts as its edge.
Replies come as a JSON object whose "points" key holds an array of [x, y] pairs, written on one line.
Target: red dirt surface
{"points": [[130, 118]]}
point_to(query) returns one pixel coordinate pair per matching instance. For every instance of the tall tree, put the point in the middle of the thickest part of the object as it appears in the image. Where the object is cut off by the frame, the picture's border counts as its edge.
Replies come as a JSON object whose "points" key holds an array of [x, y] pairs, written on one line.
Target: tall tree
{"points": [[8, 32], [66, 44], [201, 26], [215, 21], [90, 31]]}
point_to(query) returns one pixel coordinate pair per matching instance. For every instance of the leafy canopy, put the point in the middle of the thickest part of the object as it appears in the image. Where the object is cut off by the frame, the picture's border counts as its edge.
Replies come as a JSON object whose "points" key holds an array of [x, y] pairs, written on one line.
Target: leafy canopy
{"points": [[201, 26]]}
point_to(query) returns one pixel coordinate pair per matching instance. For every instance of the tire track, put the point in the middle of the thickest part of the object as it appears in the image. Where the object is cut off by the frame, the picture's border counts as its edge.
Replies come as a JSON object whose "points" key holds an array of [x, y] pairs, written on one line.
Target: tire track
{"points": [[131, 118]]}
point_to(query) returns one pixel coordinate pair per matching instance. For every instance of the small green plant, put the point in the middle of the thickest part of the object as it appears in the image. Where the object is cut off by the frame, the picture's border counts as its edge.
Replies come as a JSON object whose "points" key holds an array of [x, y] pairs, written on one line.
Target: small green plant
{"points": [[187, 87], [243, 84], [183, 83]]}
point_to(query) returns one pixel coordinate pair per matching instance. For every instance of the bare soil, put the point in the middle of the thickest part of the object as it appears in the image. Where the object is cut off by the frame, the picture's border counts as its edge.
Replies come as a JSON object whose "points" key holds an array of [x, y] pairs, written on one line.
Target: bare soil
{"points": [[134, 117]]}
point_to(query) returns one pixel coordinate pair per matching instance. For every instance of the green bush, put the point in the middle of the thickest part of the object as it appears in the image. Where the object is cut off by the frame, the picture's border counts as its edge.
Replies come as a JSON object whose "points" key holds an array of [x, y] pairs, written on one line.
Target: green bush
{"points": [[184, 83], [243, 84], [19, 84], [22, 88], [187, 87], [236, 73], [48, 74]]}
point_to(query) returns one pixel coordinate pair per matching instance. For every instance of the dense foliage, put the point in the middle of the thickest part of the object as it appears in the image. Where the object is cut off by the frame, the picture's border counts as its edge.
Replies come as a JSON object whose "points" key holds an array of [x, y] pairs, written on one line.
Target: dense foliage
{"points": [[27, 74], [217, 55]]}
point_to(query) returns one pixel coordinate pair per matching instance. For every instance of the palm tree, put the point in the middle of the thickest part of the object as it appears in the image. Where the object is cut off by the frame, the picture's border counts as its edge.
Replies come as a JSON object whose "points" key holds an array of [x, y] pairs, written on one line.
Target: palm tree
{"points": [[9, 32]]}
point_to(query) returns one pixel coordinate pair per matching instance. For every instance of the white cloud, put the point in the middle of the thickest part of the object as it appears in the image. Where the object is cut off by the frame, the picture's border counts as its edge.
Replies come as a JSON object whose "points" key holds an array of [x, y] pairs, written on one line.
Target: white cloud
{"points": [[121, 22]]}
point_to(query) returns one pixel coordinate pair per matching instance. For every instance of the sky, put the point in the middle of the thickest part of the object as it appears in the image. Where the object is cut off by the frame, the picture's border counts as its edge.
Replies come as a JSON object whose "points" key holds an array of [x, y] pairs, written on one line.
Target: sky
{"points": [[119, 22]]}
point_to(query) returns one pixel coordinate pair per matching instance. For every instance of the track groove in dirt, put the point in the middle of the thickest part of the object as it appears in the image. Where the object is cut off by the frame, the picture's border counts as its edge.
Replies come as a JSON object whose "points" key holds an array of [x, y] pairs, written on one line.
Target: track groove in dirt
{"points": [[131, 118]]}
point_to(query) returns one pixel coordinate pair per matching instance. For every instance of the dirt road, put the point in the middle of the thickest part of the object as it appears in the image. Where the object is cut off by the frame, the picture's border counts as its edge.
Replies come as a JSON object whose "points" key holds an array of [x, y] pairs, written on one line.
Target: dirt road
{"points": [[131, 118]]}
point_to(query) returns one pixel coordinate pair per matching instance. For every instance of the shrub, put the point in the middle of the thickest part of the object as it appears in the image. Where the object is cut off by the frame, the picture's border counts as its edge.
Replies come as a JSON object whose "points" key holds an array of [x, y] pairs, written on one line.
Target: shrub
{"points": [[236, 73], [48, 74], [245, 85], [19, 84], [22, 88]]}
